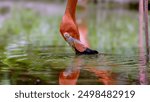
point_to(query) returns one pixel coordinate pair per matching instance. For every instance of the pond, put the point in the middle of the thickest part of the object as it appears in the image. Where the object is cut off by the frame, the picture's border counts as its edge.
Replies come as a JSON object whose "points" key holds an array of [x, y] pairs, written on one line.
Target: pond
{"points": [[32, 52]]}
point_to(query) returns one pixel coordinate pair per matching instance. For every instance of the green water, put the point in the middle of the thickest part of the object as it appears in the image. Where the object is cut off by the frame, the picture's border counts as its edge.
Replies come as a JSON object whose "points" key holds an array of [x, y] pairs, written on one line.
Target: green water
{"points": [[33, 52]]}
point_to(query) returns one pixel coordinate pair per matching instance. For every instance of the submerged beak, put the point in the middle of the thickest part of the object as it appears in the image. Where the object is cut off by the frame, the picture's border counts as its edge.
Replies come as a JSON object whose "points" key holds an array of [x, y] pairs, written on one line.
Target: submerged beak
{"points": [[78, 46]]}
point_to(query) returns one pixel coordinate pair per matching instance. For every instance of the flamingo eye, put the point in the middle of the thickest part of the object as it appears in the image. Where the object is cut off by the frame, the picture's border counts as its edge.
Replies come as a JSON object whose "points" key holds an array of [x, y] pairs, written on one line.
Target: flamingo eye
{"points": [[66, 35]]}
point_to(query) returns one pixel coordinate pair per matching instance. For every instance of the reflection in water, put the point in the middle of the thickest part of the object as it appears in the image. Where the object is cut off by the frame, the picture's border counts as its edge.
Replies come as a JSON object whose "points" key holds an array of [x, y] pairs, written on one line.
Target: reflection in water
{"points": [[143, 60], [49, 65], [5, 78], [70, 75], [104, 76], [143, 65]]}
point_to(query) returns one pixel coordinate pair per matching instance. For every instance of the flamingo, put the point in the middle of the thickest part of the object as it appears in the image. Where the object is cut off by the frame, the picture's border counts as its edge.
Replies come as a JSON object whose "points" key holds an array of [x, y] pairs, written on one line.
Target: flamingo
{"points": [[69, 30], [70, 75]]}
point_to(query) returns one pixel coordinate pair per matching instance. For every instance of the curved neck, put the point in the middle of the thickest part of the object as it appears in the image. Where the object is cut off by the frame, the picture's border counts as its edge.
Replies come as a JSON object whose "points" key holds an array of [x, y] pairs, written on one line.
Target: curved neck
{"points": [[71, 8]]}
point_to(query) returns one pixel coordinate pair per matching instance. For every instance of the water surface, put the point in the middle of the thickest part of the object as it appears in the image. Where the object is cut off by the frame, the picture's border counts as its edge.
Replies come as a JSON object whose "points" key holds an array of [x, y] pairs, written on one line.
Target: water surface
{"points": [[57, 65]]}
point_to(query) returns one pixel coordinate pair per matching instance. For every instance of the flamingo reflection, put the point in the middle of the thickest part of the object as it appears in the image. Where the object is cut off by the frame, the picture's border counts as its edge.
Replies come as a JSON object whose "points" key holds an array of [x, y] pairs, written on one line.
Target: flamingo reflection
{"points": [[71, 74]]}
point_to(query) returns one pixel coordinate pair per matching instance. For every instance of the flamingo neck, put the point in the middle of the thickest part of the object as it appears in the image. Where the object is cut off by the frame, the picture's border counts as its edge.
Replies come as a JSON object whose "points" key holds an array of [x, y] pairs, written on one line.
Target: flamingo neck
{"points": [[71, 8]]}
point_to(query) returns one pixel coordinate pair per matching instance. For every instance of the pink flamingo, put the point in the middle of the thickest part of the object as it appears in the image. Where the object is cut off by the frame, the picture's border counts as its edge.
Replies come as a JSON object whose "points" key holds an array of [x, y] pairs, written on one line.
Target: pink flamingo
{"points": [[69, 30]]}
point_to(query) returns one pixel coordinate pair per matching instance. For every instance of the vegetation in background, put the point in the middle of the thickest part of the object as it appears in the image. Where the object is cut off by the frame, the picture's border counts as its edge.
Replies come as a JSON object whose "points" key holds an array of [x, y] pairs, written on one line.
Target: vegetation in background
{"points": [[31, 46]]}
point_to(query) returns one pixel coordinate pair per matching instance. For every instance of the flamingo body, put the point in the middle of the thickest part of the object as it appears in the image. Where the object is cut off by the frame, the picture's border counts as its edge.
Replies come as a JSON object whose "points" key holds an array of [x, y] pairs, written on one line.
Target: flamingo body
{"points": [[69, 30], [68, 25]]}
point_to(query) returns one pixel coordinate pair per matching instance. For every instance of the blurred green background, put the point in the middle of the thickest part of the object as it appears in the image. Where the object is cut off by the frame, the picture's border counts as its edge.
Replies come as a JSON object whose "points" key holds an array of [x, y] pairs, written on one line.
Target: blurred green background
{"points": [[112, 24], [32, 49]]}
